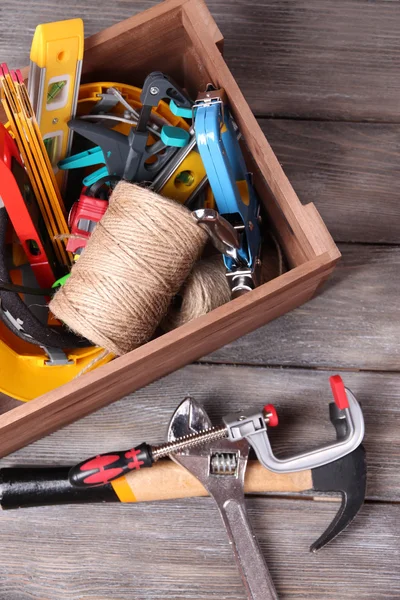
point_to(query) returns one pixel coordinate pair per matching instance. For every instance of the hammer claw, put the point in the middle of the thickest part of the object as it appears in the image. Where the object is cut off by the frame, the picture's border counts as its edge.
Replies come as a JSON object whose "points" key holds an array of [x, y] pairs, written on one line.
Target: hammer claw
{"points": [[339, 523], [348, 476]]}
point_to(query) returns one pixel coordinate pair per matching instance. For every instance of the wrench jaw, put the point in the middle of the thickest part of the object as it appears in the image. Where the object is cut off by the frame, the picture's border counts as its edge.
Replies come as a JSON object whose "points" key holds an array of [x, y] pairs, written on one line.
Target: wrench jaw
{"points": [[190, 417]]}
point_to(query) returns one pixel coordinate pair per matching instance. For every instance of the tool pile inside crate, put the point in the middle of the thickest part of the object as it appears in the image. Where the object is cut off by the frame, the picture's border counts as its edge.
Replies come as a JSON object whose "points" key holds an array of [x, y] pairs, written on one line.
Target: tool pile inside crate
{"points": [[64, 149]]}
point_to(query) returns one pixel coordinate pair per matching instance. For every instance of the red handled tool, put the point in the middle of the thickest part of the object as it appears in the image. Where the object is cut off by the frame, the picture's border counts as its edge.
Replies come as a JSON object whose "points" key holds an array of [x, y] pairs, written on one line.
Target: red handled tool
{"points": [[21, 206], [84, 216], [104, 468]]}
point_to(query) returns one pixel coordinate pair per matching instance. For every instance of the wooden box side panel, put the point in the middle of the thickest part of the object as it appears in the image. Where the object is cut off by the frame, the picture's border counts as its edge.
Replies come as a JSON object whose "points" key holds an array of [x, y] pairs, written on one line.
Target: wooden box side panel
{"points": [[160, 357], [128, 51], [151, 40]]}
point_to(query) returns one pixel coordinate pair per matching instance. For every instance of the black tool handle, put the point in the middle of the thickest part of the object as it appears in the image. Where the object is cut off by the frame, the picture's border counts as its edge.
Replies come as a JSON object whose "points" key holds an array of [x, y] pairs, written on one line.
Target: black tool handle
{"points": [[158, 86], [103, 468], [23, 487]]}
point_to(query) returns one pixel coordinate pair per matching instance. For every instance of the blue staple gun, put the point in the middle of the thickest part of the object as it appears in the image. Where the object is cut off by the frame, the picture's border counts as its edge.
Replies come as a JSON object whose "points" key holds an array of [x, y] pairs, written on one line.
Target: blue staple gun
{"points": [[234, 194]]}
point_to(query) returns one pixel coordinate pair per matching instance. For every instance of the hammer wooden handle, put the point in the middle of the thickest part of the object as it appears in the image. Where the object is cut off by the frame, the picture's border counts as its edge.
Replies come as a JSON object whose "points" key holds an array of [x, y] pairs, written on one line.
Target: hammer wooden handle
{"points": [[24, 487], [166, 481]]}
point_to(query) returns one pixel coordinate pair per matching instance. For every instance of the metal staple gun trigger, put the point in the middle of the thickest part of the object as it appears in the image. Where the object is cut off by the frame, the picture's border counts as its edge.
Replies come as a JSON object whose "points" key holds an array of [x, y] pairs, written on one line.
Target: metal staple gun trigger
{"points": [[223, 235], [231, 184]]}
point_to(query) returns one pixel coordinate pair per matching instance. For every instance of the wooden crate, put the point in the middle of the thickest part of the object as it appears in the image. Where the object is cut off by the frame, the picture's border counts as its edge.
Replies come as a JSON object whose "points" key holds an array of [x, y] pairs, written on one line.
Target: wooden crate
{"points": [[181, 38]]}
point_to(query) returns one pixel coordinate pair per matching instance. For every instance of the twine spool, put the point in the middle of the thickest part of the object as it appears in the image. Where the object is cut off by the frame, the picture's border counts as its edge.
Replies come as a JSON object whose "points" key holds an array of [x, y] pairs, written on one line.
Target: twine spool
{"points": [[205, 289], [135, 262], [207, 286]]}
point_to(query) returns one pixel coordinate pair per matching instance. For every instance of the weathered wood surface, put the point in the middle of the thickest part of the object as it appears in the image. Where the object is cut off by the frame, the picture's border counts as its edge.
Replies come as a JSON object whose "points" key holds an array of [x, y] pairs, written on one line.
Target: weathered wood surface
{"points": [[354, 323], [349, 170], [335, 60], [180, 550], [300, 396], [304, 60]]}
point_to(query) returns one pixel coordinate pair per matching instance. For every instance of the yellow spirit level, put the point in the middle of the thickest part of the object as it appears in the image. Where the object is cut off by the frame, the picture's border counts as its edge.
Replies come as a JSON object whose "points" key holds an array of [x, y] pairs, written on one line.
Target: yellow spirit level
{"points": [[53, 85]]}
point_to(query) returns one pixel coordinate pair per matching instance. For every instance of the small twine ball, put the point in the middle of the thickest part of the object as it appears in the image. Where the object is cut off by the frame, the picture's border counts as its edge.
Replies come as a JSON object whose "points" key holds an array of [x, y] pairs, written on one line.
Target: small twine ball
{"points": [[135, 262], [207, 286], [205, 289]]}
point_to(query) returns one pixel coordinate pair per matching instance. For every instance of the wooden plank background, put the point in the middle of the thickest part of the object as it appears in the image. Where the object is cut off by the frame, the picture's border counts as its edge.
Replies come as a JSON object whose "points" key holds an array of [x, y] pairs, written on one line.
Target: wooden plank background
{"points": [[323, 79]]}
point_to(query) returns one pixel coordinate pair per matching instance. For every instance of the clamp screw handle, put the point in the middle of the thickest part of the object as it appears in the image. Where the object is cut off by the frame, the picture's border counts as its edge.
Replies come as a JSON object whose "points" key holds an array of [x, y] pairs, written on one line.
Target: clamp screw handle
{"points": [[271, 414]]}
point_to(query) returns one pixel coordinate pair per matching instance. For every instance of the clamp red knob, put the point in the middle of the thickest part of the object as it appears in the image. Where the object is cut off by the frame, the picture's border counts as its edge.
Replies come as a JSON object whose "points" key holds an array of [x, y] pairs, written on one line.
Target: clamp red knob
{"points": [[273, 419], [339, 392]]}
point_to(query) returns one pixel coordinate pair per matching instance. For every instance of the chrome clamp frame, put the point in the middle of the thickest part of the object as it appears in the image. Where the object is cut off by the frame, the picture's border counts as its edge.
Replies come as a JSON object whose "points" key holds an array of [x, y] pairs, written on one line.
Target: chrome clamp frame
{"points": [[253, 428]]}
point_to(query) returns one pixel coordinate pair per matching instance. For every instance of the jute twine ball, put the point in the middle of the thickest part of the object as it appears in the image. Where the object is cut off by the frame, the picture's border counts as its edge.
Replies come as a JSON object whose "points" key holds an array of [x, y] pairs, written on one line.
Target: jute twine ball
{"points": [[135, 262], [207, 286], [205, 289]]}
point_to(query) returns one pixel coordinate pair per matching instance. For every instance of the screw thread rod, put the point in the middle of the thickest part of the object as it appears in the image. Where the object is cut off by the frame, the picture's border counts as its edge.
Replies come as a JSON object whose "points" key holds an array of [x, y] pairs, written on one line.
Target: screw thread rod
{"points": [[189, 441]]}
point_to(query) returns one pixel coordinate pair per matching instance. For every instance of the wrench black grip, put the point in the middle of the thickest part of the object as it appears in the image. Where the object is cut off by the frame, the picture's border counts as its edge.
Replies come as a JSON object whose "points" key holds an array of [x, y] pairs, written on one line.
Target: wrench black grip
{"points": [[103, 468]]}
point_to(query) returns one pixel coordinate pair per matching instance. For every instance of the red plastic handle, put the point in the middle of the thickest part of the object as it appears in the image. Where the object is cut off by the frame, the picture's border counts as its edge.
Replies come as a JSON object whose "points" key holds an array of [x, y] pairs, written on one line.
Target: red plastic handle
{"points": [[339, 392], [101, 469], [273, 419]]}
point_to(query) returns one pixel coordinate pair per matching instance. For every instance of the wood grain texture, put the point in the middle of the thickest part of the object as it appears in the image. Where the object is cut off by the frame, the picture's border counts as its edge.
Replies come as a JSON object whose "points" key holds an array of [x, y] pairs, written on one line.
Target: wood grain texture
{"points": [[301, 397], [349, 170], [303, 59], [168, 481], [180, 550], [320, 60], [354, 323], [7, 403]]}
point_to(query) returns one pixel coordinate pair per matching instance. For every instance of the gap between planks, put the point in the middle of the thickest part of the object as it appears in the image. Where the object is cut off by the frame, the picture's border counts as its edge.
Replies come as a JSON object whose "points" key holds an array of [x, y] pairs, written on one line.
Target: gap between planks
{"points": [[326, 368]]}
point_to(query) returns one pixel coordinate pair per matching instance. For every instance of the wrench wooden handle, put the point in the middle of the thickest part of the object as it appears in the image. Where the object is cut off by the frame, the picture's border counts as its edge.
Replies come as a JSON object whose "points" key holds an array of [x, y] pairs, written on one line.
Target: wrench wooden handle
{"points": [[25, 487]]}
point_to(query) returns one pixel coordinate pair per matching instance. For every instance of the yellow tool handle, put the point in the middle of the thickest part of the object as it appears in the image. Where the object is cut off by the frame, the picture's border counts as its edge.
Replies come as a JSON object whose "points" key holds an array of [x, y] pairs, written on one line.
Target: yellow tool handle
{"points": [[167, 481]]}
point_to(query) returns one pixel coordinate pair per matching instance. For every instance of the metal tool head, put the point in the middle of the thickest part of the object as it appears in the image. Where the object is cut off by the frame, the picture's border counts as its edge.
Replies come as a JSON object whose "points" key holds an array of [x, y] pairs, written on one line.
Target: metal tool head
{"points": [[220, 467], [347, 418], [347, 475], [222, 234], [190, 417]]}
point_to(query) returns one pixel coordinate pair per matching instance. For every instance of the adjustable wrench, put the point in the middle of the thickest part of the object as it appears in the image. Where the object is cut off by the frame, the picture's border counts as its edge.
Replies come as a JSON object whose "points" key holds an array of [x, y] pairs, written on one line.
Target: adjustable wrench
{"points": [[221, 469]]}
